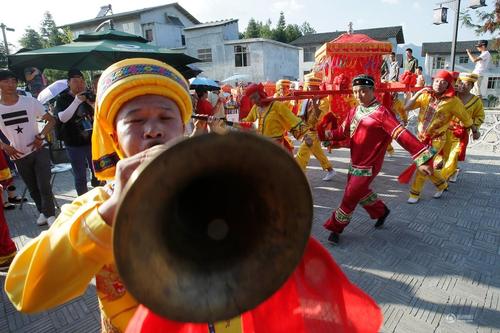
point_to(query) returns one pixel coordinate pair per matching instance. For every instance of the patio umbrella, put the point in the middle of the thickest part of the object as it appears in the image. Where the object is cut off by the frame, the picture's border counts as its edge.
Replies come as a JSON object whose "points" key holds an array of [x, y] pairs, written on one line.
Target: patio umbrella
{"points": [[52, 91], [204, 83], [97, 51], [236, 77]]}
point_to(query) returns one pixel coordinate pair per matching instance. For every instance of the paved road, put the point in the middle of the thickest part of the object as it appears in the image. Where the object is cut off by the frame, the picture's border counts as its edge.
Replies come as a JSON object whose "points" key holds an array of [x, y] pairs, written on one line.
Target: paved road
{"points": [[434, 267]]}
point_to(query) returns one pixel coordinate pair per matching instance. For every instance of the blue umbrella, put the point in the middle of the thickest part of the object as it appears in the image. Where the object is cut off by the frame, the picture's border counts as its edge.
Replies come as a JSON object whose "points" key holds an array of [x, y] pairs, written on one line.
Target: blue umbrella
{"points": [[204, 83]]}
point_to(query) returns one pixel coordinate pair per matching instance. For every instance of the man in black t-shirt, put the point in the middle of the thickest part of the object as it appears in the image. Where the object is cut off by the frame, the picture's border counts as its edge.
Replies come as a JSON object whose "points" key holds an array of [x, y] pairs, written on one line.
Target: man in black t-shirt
{"points": [[75, 112]]}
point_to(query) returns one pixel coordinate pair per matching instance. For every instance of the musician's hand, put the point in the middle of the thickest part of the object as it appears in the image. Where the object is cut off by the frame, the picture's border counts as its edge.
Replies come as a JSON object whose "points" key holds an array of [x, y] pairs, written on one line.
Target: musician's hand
{"points": [[216, 126], [124, 170], [426, 169]]}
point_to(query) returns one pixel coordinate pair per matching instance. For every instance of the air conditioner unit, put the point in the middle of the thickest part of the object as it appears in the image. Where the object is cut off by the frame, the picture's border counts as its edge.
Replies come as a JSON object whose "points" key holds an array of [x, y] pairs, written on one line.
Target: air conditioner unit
{"points": [[440, 15]]}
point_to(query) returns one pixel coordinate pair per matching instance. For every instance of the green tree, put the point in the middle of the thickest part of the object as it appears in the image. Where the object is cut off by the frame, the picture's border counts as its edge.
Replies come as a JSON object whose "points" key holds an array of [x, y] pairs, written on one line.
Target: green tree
{"points": [[31, 39], [265, 30], [292, 32], [307, 29], [279, 33], [3, 56], [52, 35], [253, 29]]}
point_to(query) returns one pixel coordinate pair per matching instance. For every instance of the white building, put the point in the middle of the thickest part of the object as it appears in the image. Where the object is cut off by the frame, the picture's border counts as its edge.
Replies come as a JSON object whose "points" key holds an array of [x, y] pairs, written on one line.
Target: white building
{"points": [[309, 44], [162, 26], [216, 44], [223, 54], [438, 56]]}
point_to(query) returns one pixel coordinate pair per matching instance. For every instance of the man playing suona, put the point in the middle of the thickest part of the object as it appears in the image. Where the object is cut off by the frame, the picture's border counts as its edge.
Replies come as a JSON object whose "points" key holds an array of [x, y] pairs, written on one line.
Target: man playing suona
{"points": [[142, 104], [370, 127]]}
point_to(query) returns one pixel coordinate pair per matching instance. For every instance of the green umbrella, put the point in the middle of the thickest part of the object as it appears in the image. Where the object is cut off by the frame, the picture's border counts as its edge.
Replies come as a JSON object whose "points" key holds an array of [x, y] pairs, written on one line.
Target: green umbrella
{"points": [[96, 51]]}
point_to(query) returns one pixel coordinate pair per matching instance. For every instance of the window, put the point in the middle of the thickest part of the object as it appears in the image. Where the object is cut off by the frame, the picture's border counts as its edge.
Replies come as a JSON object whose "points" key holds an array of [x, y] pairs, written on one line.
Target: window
{"points": [[205, 55], [438, 63], [493, 82], [149, 34], [183, 40], [309, 54], [129, 27], [463, 60], [241, 56]]}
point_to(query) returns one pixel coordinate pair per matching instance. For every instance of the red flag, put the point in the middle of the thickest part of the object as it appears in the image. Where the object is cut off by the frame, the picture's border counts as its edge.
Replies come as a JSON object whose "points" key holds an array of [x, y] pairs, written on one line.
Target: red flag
{"points": [[405, 176], [317, 298]]}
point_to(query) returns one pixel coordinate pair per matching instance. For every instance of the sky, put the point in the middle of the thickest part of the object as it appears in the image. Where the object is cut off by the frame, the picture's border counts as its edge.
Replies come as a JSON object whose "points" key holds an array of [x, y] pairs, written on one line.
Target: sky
{"points": [[324, 15]]}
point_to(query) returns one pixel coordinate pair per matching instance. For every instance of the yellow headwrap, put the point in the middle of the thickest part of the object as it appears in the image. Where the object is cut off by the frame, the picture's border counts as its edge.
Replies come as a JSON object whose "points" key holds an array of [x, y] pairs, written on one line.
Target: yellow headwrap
{"points": [[468, 77], [283, 84], [120, 83]]}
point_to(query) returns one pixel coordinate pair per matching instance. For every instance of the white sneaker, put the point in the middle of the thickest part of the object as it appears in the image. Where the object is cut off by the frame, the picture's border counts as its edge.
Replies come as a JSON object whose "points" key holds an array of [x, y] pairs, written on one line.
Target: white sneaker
{"points": [[41, 220], [438, 194], [412, 200], [50, 220], [453, 177], [329, 175]]}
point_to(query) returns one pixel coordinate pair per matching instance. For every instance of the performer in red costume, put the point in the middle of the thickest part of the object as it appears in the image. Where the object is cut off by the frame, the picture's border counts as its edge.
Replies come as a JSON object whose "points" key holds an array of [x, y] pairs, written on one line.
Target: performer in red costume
{"points": [[370, 127]]}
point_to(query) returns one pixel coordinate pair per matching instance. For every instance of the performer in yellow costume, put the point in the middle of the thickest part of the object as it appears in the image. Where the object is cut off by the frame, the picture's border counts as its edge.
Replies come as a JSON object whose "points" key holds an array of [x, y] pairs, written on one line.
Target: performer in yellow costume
{"points": [[437, 107], [275, 119], [398, 109], [457, 137], [141, 104], [311, 111]]}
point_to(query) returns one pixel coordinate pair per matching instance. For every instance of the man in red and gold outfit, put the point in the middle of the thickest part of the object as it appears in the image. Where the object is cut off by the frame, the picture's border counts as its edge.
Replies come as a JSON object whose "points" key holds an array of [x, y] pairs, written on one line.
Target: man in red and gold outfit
{"points": [[370, 127]]}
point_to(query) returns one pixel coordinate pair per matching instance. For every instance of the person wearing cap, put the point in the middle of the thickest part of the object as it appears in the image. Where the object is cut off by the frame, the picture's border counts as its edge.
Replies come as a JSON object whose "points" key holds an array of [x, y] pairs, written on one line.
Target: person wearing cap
{"points": [[438, 105], [275, 119], [481, 65], [457, 136], [19, 117], [141, 104], [311, 111], [370, 128], [74, 112], [283, 89]]}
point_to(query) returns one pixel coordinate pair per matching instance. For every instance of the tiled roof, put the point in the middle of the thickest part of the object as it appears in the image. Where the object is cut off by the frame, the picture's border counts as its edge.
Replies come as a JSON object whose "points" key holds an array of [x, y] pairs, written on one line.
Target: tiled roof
{"points": [[134, 13], [211, 24], [383, 33], [445, 47]]}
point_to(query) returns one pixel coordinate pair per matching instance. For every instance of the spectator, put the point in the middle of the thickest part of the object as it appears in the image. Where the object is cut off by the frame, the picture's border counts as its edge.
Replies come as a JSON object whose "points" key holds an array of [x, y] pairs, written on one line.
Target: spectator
{"points": [[74, 111], [35, 80], [420, 77], [393, 68], [411, 62], [18, 121], [481, 65]]}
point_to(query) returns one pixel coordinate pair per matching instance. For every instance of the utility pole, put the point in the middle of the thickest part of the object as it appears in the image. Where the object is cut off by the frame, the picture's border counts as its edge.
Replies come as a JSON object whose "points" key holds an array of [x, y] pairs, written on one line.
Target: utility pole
{"points": [[4, 27], [455, 33]]}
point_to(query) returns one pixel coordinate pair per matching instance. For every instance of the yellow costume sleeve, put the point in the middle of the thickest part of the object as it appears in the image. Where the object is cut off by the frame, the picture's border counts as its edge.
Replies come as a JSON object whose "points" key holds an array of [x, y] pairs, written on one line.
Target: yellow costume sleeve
{"points": [[252, 115], [58, 265], [421, 100], [458, 110], [399, 108], [293, 123]]}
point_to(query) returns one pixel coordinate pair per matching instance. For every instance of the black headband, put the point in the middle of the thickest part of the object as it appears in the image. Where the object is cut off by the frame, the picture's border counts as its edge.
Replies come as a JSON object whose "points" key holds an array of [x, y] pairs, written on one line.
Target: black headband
{"points": [[364, 80]]}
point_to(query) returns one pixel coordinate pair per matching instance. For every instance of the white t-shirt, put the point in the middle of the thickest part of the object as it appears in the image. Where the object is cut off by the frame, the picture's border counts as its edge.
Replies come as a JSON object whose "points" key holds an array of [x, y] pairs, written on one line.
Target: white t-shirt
{"points": [[482, 65], [19, 122]]}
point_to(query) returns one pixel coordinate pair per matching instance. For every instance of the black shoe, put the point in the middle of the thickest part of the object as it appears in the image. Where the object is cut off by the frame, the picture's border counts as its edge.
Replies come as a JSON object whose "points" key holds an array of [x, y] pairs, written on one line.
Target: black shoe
{"points": [[5, 266], [334, 238], [17, 200], [8, 206], [381, 220]]}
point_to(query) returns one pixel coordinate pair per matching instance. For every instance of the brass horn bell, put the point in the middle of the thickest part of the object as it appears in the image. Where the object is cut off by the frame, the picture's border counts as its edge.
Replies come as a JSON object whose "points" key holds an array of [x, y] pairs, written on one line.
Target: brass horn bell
{"points": [[212, 227]]}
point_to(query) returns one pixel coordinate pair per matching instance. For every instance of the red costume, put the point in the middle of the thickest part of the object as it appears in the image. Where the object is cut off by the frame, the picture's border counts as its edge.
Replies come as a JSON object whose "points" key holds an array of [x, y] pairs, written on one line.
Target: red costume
{"points": [[204, 107], [7, 246], [317, 298], [369, 130]]}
